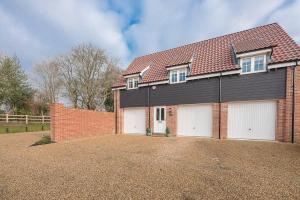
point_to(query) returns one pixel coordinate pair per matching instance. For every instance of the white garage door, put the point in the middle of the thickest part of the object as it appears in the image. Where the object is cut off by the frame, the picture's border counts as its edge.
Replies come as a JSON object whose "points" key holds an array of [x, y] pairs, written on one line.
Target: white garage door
{"points": [[252, 120], [134, 120], [195, 120]]}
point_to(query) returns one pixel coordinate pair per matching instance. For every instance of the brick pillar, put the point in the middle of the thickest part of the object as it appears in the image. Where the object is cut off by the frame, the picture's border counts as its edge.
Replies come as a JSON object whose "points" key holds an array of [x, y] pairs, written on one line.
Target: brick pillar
{"points": [[297, 106], [171, 119], [288, 106], [224, 120], [280, 120], [55, 111], [215, 115], [119, 112], [151, 118]]}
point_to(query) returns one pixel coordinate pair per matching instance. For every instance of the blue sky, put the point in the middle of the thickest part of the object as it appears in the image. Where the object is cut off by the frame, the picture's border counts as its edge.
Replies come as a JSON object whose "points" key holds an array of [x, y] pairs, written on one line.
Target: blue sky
{"points": [[35, 30]]}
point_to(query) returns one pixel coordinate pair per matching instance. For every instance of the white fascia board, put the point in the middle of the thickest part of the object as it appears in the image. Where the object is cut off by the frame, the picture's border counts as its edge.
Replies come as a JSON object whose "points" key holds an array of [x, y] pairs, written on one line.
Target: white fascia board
{"points": [[298, 63], [119, 88], [203, 76], [253, 53], [280, 65], [238, 71], [144, 70], [153, 83], [177, 67], [132, 75]]}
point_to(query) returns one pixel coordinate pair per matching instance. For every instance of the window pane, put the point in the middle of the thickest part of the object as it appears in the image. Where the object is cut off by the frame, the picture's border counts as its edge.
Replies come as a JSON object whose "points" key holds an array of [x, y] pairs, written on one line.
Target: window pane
{"points": [[157, 114], [130, 85], [162, 112], [174, 77], [246, 67], [136, 83], [259, 63], [182, 76]]}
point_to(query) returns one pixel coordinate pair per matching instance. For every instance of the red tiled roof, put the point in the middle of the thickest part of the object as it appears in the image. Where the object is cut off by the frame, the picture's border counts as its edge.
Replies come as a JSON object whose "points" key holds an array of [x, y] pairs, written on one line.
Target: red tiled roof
{"points": [[215, 55], [251, 45]]}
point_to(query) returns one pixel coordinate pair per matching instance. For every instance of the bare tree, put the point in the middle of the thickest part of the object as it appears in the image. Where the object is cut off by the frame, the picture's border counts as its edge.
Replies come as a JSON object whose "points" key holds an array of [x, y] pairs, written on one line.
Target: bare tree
{"points": [[85, 71], [112, 74], [70, 80], [90, 64], [49, 80]]}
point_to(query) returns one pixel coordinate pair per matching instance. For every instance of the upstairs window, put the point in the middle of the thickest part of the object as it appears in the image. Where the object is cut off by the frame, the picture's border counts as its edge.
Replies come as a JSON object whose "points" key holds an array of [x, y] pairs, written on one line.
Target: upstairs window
{"points": [[132, 83], [253, 64], [178, 75], [259, 64], [246, 65]]}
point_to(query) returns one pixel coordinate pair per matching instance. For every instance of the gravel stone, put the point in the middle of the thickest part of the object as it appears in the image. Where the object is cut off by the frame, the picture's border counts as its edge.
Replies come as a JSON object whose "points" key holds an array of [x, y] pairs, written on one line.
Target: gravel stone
{"points": [[140, 167]]}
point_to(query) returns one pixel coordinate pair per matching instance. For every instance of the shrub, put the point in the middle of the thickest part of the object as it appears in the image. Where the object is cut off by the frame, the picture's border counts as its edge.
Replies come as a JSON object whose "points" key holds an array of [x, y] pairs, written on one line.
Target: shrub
{"points": [[148, 132], [167, 132], [46, 139]]}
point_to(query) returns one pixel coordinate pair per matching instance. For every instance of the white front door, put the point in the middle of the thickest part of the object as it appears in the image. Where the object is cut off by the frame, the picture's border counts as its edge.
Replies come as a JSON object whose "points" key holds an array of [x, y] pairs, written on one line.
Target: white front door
{"points": [[134, 120], [252, 120], [159, 119], [195, 120]]}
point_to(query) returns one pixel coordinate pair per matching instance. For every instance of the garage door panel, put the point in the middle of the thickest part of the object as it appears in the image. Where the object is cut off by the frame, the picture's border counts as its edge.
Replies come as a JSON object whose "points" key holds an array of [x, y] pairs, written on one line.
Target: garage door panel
{"points": [[134, 121], [195, 120], [252, 120]]}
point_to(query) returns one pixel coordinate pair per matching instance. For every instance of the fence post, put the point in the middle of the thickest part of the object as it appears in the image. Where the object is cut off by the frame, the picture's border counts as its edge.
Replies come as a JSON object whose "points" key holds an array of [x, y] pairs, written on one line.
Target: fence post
{"points": [[43, 119], [26, 119], [6, 117]]}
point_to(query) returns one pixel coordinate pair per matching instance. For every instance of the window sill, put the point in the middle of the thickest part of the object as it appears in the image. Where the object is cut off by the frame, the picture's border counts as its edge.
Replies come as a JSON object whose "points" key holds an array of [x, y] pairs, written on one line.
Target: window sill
{"points": [[132, 88], [245, 73], [177, 82]]}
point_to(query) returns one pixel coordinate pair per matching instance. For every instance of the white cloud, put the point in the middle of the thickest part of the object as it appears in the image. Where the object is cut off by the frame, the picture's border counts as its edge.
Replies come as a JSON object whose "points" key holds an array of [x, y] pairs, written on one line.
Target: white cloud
{"points": [[288, 17], [166, 24], [41, 29], [85, 21], [15, 38], [71, 22]]}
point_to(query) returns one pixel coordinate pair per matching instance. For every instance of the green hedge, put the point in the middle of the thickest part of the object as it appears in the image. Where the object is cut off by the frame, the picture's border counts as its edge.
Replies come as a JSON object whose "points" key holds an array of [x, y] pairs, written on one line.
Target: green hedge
{"points": [[17, 128]]}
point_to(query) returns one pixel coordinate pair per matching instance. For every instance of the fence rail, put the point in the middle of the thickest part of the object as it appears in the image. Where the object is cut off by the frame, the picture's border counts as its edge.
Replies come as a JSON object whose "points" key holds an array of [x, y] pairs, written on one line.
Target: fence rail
{"points": [[27, 119]]}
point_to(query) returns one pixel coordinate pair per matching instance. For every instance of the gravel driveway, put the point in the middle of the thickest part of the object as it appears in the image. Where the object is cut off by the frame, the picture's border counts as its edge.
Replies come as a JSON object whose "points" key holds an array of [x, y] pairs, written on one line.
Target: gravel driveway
{"points": [[140, 167]]}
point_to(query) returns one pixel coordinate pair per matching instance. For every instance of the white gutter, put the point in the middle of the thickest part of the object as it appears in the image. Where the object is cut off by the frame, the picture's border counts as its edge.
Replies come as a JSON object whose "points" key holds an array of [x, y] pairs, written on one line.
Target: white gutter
{"points": [[153, 83], [279, 65], [214, 75], [118, 88]]}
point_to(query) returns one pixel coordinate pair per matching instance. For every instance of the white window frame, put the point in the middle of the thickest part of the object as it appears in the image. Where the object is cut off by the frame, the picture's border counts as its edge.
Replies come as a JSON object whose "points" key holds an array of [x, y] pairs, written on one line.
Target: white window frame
{"points": [[177, 71], [252, 59], [133, 80]]}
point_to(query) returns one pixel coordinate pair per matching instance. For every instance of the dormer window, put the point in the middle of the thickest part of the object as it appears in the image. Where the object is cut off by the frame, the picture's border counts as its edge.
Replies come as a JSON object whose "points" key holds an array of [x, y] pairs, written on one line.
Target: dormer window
{"points": [[178, 75], [253, 64], [132, 83]]}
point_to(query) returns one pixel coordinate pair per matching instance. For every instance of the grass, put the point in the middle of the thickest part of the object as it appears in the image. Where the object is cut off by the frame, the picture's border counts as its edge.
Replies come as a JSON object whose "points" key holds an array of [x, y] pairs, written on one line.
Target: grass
{"points": [[46, 139], [17, 128]]}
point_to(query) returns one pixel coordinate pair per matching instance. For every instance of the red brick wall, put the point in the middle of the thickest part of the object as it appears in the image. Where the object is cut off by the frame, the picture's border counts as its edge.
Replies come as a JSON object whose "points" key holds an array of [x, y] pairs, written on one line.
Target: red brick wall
{"points": [[171, 119], [151, 118], [215, 115], [69, 123], [118, 113], [297, 106], [224, 120], [285, 109]]}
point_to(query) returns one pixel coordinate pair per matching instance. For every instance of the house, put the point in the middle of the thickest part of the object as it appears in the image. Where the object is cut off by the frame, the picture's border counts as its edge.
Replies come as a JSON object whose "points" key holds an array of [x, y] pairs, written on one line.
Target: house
{"points": [[244, 85]]}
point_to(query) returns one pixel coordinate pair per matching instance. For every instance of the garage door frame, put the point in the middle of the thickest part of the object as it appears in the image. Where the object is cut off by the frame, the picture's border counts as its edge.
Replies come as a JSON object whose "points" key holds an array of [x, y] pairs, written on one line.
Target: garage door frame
{"points": [[138, 121], [251, 129], [208, 129]]}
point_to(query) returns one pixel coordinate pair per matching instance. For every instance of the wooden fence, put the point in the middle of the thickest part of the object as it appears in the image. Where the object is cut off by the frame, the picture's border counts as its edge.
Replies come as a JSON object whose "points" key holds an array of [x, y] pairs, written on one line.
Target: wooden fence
{"points": [[25, 119]]}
